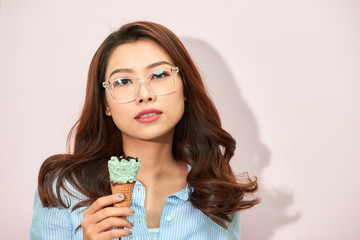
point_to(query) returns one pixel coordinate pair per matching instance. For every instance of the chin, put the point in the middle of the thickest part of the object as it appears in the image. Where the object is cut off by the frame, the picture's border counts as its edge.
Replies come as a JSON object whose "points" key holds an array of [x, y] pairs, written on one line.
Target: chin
{"points": [[155, 135]]}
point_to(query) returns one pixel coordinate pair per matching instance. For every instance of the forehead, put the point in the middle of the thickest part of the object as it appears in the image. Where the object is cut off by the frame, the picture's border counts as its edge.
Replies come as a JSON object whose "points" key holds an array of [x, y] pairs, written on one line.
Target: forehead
{"points": [[136, 56]]}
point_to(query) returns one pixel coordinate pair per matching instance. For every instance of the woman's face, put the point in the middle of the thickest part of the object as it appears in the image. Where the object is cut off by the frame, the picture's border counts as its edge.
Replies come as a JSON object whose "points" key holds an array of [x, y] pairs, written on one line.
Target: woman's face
{"points": [[139, 59]]}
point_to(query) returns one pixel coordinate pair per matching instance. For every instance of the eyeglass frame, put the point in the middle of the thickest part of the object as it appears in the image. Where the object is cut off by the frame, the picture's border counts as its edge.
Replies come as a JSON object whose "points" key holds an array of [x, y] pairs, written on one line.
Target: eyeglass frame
{"points": [[107, 84]]}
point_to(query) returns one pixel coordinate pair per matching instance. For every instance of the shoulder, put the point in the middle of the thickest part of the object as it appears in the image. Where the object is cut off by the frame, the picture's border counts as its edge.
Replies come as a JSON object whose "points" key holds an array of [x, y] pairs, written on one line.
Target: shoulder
{"points": [[234, 226], [51, 222], [56, 222]]}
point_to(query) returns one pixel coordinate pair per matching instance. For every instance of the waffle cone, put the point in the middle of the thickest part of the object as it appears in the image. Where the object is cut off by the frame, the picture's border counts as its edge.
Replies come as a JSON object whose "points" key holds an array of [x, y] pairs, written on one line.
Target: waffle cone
{"points": [[126, 189]]}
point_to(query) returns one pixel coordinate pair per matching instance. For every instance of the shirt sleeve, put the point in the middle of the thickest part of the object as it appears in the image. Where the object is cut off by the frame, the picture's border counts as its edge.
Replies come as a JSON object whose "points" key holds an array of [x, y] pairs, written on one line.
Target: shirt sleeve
{"points": [[234, 228], [50, 223]]}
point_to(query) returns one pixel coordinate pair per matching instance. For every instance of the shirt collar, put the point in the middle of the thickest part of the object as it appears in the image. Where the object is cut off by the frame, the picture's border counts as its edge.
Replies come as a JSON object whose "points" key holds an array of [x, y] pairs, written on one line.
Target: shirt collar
{"points": [[186, 192]]}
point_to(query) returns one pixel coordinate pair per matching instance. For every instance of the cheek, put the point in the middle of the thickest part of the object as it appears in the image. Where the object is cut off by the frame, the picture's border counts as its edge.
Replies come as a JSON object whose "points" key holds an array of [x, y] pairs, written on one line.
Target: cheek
{"points": [[119, 114], [178, 108], [120, 121]]}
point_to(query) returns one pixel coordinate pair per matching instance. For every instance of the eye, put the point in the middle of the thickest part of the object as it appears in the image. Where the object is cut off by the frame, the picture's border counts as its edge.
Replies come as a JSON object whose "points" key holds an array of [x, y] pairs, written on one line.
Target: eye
{"points": [[121, 82], [160, 74]]}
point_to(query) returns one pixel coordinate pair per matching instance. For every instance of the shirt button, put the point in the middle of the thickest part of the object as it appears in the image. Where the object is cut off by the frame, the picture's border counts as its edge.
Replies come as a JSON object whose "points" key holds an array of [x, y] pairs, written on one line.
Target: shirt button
{"points": [[138, 189], [168, 218]]}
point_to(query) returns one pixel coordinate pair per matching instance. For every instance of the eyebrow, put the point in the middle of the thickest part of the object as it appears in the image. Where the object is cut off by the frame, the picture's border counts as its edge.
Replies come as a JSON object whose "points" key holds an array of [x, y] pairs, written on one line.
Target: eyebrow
{"points": [[129, 70]]}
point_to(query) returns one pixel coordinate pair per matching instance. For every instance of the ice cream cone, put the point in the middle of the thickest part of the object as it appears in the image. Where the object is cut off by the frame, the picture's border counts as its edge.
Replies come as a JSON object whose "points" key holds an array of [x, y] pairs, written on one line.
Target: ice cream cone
{"points": [[123, 172], [124, 188]]}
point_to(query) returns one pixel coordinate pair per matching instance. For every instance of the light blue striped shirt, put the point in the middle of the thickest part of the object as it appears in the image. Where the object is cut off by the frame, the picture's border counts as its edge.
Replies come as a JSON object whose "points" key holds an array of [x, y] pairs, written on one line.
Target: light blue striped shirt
{"points": [[179, 219]]}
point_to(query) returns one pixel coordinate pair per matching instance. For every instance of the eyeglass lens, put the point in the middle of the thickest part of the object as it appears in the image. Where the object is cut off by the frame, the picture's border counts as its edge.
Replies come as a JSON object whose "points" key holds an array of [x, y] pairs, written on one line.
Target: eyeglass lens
{"points": [[160, 82]]}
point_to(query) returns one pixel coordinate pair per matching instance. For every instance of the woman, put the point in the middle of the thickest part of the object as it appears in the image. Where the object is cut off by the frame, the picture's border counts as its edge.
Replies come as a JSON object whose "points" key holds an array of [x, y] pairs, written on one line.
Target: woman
{"points": [[144, 98]]}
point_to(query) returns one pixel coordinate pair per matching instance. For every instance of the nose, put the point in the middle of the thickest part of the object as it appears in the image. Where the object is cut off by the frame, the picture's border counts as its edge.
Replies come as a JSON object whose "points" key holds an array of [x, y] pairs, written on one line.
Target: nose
{"points": [[144, 93]]}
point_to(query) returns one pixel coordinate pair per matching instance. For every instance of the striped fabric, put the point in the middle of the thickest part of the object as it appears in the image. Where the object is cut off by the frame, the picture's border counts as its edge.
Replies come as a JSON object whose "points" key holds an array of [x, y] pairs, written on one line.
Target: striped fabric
{"points": [[179, 220], [154, 233]]}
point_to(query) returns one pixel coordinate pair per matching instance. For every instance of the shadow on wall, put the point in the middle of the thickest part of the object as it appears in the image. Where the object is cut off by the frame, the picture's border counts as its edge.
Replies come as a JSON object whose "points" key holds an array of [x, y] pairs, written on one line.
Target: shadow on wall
{"points": [[260, 222]]}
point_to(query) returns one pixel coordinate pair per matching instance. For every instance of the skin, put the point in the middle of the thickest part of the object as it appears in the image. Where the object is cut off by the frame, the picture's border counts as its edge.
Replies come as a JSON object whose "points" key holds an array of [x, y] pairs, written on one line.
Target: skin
{"points": [[151, 142], [98, 221]]}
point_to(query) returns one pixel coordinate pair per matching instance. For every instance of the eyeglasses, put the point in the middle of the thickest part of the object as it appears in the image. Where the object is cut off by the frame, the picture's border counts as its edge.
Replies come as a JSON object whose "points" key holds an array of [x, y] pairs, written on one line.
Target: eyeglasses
{"points": [[125, 89]]}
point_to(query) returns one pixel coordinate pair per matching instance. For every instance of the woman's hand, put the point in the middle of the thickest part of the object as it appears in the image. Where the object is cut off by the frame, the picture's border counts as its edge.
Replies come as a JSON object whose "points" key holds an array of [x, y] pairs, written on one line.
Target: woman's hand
{"points": [[99, 221]]}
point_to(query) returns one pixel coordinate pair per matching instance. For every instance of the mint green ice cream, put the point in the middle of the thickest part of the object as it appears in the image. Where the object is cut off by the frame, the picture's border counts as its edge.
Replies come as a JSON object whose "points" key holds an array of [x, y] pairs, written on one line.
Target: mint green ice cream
{"points": [[123, 170]]}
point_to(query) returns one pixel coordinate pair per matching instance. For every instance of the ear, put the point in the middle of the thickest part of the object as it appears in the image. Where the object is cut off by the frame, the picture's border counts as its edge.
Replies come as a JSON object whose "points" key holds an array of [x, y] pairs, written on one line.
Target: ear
{"points": [[107, 111]]}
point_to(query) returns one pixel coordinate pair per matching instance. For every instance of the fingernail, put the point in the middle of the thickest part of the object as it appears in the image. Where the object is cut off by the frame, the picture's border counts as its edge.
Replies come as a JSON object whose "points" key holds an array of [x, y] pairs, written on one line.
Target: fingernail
{"points": [[130, 232], [132, 224], [132, 210], [121, 195]]}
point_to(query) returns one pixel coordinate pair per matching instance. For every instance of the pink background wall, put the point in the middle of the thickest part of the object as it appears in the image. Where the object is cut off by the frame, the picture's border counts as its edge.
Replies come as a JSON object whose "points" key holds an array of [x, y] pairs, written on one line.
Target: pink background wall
{"points": [[284, 75]]}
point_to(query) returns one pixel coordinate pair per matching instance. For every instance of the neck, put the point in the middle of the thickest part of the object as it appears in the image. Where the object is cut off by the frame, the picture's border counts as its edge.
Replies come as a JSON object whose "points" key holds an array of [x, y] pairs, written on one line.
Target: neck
{"points": [[156, 157]]}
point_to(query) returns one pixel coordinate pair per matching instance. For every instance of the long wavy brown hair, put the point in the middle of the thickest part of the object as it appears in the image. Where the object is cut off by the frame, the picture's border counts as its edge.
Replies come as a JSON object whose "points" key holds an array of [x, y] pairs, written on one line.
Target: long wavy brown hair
{"points": [[199, 138]]}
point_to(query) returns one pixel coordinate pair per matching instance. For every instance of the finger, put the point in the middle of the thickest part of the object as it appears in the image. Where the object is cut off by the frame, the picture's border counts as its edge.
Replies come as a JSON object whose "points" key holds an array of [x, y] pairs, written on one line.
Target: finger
{"points": [[112, 222], [112, 212], [115, 233], [103, 202]]}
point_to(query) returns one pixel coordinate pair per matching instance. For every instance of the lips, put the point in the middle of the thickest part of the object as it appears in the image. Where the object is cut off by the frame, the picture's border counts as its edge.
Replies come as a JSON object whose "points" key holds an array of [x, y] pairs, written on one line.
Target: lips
{"points": [[147, 113]]}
